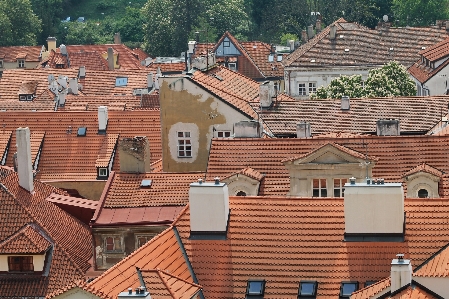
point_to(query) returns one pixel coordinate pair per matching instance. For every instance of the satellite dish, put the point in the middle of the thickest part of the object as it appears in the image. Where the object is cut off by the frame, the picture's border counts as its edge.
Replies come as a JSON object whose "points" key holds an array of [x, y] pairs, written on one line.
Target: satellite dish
{"points": [[385, 18]]}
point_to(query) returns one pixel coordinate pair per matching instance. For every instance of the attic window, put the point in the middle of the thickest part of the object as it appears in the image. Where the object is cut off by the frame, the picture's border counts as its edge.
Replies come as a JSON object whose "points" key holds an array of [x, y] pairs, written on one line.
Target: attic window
{"points": [[307, 289], [423, 48], [146, 183], [82, 131], [346, 50], [270, 58], [279, 58], [121, 81], [391, 49], [102, 172], [20, 264], [423, 193], [226, 44], [255, 288], [232, 66], [21, 63], [347, 288]]}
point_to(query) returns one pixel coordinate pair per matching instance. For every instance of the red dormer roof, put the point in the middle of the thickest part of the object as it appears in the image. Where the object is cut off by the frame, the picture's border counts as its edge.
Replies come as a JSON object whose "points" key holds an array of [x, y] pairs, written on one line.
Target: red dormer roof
{"points": [[28, 240]]}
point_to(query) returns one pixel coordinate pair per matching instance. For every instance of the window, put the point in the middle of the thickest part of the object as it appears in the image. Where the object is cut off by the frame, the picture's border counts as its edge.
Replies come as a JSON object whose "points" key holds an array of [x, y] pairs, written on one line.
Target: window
{"points": [[22, 98], [102, 172], [368, 283], [21, 63], [279, 58], [146, 183], [339, 187], [20, 263], [232, 66], [423, 193], [307, 289], [312, 87], [255, 287], [121, 81], [224, 134], [81, 131], [241, 193], [184, 145], [347, 288], [302, 89], [226, 44], [142, 239], [319, 188], [113, 243]]}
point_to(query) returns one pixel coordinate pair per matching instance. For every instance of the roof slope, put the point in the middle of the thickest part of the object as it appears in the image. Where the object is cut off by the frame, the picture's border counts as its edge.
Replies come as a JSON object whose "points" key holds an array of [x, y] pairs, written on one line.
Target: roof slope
{"points": [[365, 46], [71, 251], [28, 240], [286, 240], [415, 114], [29, 53]]}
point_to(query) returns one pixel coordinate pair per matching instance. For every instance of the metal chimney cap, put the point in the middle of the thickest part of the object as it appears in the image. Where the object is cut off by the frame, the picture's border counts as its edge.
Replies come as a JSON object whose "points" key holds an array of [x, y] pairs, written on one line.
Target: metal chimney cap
{"points": [[352, 180], [130, 291], [400, 256], [200, 181], [217, 180]]}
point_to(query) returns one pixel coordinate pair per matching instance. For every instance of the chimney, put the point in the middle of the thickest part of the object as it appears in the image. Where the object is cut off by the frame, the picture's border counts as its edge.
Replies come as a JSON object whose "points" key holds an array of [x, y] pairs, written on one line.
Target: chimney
{"points": [[111, 59], [102, 119], [156, 82], [63, 49], [291, 44], [374, 212], [247, 129], [265, 95], [209, 207], [318, 26], [134, 155], [401, 272], [150, 81], [73, 86], [304, 38], [310, 31], [82, 72], [332, 31], [51, 43], [191, 45], [345, 103], [388, 127], [303, 130], [117, 38], [24, 162]]}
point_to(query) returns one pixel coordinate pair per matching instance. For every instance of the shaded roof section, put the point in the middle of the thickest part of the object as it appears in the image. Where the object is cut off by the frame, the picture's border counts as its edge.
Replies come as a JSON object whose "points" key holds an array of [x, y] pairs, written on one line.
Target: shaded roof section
{"points": [[28, 240], [60, 199], [372, 290], [71, 251], [415, 114], [363, 46], [396, 156], [29, 53], [286, 240], [126, 190]]}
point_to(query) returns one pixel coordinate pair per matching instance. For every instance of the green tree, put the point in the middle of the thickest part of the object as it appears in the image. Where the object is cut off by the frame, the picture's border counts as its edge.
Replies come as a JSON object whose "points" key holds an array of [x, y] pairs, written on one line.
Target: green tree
{"points": [[50, 13], [130, 26], [87, 33], [6, 30], [419, 12], [390, 80], [24, 26]]}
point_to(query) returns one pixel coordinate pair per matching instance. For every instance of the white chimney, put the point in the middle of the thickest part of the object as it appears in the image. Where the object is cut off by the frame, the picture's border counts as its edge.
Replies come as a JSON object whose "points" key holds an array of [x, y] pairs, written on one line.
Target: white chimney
{"points": [[209, 207], [332, 31], [374, 209], [24, 167], [82, 72], [73, 85], [110, 59], [291, 44], [192, 44], [265, 95], [156, 82], [62, 98], [62, 80], [102, 119], [303, 130], [247, 129], [63, 49], [401, 273], [150, 80]]}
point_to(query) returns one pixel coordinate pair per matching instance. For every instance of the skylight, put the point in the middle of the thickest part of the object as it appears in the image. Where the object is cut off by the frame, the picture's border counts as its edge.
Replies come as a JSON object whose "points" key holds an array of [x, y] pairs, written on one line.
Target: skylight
{"points": [[279, 58], [82, 131], [121, 81], [270, 58], [347, 288], [307, 288], [255, 287], [146, 183]]}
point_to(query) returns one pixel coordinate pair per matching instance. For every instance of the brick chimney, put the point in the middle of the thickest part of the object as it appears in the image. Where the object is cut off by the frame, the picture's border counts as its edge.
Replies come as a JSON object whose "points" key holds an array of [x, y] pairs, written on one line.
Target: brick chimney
{"points": [[24, 162], [135, 155], [401, 272], [209, 207]]}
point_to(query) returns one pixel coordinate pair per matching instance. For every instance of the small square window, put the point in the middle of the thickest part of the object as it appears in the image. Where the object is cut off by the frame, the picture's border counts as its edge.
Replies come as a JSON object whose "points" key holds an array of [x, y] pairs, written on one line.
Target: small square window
{"points": [[302, 91], [312, 87], [224, 134], [82, 131], [22, 98], [279, 58], [255, 287], [21, 63], [307, 288], [142, 239], [102, 172], [226, 44], [347, 288], [146, 183], [232, 66]]}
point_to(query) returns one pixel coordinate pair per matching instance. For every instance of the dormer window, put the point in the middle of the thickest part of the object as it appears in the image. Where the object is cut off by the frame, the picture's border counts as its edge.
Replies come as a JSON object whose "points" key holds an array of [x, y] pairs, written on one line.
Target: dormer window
{"points": [[347, 288], [232, 66], [21, 63], [102, 172], [255, 288], [20, 264], [307, 289]]}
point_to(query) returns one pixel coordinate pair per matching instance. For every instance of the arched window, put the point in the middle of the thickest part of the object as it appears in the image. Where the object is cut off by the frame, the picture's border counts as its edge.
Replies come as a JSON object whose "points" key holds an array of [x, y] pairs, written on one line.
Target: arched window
{"points": [[241, 193], [423, 193]]}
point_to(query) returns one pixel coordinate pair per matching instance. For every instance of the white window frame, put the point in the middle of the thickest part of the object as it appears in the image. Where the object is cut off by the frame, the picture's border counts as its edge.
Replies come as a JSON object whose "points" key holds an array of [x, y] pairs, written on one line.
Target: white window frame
{"points": [[312, 87], [320, 187], [102, 172], [21, 63], [232, 66], [224, 134], [302, 89], [341, 188], [184, 144]]}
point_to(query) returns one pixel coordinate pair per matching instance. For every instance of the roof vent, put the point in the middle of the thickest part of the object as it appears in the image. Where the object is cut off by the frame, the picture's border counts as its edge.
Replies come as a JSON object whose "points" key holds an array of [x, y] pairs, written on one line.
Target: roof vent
{"points": [[146, 183], [217, 180], [423, 48], [346, 50]]}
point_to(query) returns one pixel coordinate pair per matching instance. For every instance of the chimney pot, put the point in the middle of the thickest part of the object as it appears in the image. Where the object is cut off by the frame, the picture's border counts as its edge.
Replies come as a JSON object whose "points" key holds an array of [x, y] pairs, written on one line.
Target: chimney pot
{"points": [[200, 181], [352, 180]]}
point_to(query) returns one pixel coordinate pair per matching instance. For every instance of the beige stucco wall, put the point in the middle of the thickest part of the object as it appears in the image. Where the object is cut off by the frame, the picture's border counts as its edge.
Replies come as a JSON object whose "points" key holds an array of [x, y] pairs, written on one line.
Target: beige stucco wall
{"points": [[435, 284], [422, 180], [76, 293], [88, 189], [38, 262], [187, 107], [15, 65]]}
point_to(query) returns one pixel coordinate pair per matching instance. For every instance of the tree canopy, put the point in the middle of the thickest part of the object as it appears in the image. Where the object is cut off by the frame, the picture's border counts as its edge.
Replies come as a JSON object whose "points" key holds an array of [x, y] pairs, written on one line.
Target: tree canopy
{"points": [[391, 80]]}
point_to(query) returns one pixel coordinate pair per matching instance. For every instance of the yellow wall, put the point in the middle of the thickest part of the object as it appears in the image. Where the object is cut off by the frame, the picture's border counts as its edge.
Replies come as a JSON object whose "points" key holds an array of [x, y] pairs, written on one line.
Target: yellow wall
{"points": [[90, 190], [38, 261]]}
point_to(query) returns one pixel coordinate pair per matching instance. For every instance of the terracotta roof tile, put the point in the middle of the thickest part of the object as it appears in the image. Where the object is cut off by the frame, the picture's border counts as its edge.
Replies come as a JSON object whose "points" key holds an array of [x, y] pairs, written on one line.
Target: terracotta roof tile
{"points": [[372, 290], [424, 168], [437, 51], [162, 284], [28, 240], [59, 199], [10, 54], [415, 114], [366, 47], [28, 87], [258, 52], [413, 292], [175, 67], [435, 266], [107, 150]]}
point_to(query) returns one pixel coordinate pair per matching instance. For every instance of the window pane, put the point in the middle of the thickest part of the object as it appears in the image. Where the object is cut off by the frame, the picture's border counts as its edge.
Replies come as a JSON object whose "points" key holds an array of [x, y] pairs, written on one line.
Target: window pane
{"points": [[336, 192], [348, 289], [187, 142], [255, 287], [188, 153], [180, 134], [323, 193], [323, 183], [316, 193], [187, 134], [316, 183], [307, 288], [117, 244], [336, 183], [109, 243], [220, 134], [181, 154]]}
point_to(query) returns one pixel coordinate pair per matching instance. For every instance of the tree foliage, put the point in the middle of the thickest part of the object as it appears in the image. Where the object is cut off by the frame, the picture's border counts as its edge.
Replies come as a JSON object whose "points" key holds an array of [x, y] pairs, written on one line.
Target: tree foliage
{"points": [[391, 80], [21, 25], [419, 12]]}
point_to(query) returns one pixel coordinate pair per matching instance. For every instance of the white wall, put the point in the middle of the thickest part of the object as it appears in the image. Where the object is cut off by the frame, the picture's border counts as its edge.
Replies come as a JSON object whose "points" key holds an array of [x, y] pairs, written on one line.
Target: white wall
{"points": [[435, 284]]}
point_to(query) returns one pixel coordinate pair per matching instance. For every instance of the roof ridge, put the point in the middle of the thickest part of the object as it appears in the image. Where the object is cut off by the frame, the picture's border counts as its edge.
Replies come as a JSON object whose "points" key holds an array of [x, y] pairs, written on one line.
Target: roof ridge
{"points": [[166, 284]]}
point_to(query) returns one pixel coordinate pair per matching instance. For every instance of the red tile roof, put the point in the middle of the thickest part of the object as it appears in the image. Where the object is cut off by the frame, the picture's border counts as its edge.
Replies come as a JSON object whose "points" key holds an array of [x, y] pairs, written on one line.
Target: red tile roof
{"points": [[175, 67], [91, 60], [285, 240], [366, 46], [10, 54], [424, 168], [60, 199], [435, 266], [373, 289], [28, 240], [396, 156], [437, 51], [413, 292], [71, 251], [415, 114], [91, 103]]}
